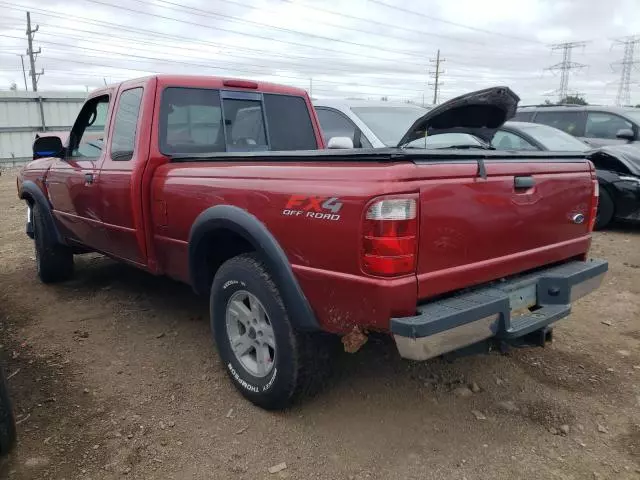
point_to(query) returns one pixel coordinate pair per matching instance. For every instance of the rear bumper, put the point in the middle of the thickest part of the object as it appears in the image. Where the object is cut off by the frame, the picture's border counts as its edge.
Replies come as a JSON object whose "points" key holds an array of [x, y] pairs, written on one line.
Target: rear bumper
{"points": [[507, 310]]}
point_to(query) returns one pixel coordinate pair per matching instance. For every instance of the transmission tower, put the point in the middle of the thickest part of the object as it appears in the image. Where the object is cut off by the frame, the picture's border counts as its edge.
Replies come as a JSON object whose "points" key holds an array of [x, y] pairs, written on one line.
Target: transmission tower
{"points": [[437, 83], [565, 66], [628, 64]]}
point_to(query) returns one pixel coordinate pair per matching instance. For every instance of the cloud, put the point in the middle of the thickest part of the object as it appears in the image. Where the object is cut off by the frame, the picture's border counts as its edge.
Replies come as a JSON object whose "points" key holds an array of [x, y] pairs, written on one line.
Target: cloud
{"points": [[357, 48]]}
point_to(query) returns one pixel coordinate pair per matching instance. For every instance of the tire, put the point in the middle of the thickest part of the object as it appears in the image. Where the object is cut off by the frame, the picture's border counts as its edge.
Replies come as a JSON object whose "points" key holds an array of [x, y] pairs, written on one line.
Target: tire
{"points": [[7, 422], [605, 210], [54, 262], [297, 361]]}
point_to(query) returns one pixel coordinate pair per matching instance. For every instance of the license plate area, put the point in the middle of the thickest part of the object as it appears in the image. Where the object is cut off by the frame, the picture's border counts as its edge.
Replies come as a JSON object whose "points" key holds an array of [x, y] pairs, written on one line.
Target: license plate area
{"points": [[522, 299]]}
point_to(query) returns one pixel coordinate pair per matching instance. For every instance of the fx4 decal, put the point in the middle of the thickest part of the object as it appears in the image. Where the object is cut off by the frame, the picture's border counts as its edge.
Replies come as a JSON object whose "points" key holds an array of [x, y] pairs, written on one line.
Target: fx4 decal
{"points": [[323, 208]]}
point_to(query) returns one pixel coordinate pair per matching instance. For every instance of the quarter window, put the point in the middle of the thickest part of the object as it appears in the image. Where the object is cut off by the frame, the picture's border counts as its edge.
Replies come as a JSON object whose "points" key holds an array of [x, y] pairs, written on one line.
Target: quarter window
{"points": [[126, 124]]}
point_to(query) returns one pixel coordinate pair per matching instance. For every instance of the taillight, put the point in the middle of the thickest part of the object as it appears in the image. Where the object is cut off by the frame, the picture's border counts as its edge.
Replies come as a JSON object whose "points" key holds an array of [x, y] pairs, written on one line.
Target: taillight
{"points": [[594, 199], [390, 237]]}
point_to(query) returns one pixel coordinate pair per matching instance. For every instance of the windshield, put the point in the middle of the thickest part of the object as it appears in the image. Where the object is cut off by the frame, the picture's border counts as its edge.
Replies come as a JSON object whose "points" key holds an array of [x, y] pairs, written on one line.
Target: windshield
{"points": [[553, 139], [633, 115], [389, 124]]}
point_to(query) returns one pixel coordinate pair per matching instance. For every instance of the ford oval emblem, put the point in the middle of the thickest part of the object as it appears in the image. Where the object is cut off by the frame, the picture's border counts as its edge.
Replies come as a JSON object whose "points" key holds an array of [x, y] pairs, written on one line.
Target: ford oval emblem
{"points": [[578, 218]]}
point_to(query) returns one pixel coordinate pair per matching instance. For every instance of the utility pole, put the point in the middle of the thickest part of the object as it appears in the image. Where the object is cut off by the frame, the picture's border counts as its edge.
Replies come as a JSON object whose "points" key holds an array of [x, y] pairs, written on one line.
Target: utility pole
{"points": [[32, 62], [32, 55], [311, 87], [628, 64], [565, 66], [436, 76], [24, 73]]}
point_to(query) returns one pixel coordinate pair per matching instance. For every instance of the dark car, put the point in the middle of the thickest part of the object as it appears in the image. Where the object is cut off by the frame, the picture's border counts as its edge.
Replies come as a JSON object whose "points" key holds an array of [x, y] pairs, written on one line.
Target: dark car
{"points": [[617, 166], [596, 125]]}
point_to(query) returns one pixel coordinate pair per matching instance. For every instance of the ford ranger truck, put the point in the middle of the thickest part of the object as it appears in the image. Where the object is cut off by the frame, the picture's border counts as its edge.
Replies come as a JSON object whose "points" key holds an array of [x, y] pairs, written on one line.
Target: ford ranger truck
{"points": [[227, 185]]}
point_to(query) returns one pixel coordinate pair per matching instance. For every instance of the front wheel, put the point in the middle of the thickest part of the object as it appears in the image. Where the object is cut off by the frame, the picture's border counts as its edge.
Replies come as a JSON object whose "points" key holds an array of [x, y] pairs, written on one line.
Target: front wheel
{"points": [[54, 262], [267, 360]]}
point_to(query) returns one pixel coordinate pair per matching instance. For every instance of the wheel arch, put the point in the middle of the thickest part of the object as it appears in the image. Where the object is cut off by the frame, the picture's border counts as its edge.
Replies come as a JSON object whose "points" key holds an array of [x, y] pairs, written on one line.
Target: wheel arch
{"points": [[224, 231], [32, 194]]}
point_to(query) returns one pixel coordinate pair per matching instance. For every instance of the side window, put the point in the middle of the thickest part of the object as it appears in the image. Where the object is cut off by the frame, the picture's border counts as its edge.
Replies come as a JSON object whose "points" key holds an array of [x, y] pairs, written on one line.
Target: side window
{"points": [[126, 124], [604, 125], [244, 125], [523, 117], [335, 124], [289, 123], [88, 132], [570, 122], [191, 121], [504, 140]]}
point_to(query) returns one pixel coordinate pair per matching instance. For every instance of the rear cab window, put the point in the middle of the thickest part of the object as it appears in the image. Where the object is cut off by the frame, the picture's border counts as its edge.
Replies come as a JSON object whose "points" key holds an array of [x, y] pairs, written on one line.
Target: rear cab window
{"points": [[202, 121]]}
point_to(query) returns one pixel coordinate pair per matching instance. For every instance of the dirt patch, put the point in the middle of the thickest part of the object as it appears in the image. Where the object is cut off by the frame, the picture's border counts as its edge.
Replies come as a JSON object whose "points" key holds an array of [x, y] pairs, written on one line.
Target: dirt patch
{"points": [[117, 378], [569, 370]]}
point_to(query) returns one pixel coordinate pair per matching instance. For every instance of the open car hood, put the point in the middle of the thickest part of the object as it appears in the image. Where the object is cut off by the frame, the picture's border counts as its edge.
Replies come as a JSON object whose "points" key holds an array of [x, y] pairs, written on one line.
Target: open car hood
{"points": [[480, 113]]}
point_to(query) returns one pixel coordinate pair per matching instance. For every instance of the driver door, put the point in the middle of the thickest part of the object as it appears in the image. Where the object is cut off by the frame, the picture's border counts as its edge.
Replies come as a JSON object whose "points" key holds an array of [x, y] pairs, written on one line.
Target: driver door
{"points": [[72, 182]]}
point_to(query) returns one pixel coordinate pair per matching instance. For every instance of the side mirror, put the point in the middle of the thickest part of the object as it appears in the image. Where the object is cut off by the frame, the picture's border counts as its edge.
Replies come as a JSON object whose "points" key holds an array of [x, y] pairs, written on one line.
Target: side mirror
{"points": [[340, 143], [50, 146], [625, 134]]}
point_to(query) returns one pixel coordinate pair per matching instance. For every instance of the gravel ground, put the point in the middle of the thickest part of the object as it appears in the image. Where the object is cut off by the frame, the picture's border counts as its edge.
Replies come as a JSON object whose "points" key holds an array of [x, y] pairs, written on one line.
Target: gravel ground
{"points": [[113, 375]]}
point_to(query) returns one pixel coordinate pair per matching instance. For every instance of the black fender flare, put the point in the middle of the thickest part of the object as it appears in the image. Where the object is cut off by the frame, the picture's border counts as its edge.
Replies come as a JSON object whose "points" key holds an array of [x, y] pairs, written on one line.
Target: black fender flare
{"points": [[248, 226], [31, 191]]}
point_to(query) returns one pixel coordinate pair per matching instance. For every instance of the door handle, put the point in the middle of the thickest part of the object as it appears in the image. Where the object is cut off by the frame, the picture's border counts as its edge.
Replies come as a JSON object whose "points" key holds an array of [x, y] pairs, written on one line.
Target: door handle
{"points": [[523, 182], [88, 178]]}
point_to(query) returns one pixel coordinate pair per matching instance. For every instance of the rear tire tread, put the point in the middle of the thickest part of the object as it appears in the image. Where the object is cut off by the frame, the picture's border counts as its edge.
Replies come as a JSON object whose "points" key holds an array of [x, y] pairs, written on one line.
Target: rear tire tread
{"points": [[310, 354], [54, 261]]}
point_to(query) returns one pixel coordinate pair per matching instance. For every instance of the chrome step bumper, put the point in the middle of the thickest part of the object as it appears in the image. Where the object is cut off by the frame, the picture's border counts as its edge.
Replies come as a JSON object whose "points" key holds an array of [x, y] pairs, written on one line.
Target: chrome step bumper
{"points": [[510, 309]]}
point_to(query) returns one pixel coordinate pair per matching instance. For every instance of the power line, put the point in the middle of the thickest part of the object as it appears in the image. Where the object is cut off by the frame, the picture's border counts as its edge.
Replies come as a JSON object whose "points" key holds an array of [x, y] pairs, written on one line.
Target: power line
{"points": [[628, 64], [242, 49], [461, 25], [378, 33], [436, 76], [24, 73], [262, 37], [565, 66]]}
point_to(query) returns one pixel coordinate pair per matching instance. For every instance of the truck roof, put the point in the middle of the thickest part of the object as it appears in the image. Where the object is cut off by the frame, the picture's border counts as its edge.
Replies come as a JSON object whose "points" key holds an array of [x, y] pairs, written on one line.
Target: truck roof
{"points": [[205, 81]]}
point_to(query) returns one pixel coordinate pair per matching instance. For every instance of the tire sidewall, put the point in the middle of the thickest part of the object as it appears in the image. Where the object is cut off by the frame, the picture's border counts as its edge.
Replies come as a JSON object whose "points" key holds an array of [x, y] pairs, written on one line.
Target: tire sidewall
{"points": [[234, 277], [605, 210]]}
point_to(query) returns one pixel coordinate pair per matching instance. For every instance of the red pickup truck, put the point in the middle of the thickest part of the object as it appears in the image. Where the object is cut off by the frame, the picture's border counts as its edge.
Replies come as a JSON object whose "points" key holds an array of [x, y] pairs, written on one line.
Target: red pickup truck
{"points": [[226, 185]]}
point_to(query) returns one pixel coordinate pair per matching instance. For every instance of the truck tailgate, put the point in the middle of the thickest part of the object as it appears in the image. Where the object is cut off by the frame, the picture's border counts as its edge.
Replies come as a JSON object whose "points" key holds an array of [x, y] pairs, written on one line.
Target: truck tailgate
{"points": [[523, 215]]}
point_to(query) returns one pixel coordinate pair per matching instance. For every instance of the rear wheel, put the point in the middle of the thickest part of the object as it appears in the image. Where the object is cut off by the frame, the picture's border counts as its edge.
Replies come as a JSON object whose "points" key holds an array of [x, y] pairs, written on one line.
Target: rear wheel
{"points": [[268, 361], [54, 262], [605, 210]]}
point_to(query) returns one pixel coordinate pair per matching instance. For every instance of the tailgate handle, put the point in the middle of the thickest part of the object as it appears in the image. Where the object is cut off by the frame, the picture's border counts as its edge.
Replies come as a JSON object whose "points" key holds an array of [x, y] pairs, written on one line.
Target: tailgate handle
{"points": [[523, 182]]}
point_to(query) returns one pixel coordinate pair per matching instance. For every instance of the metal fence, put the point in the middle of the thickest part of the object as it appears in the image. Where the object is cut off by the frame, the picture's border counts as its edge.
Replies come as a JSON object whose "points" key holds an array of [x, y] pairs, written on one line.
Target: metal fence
{"points": [[23, 114]]}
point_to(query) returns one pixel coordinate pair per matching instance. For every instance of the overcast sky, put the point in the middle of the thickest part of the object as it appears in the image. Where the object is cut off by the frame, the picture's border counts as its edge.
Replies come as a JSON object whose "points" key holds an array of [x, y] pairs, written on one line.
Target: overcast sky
{"points": [[354, 48]]}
